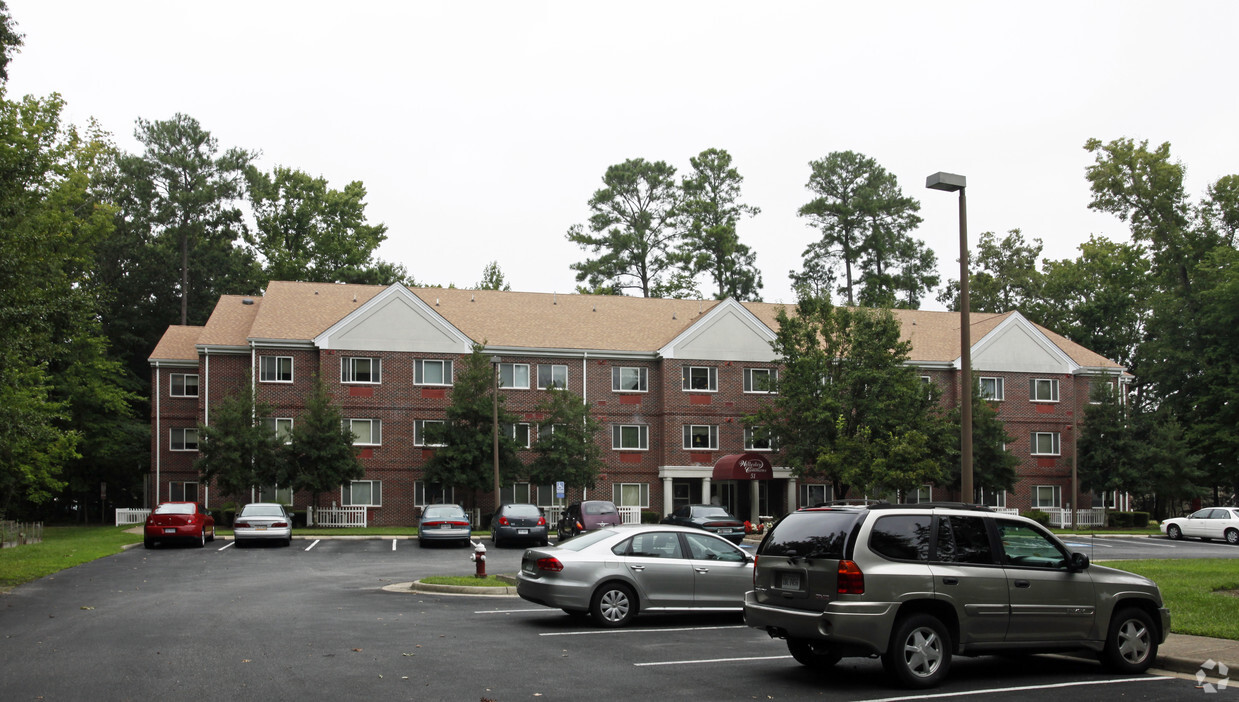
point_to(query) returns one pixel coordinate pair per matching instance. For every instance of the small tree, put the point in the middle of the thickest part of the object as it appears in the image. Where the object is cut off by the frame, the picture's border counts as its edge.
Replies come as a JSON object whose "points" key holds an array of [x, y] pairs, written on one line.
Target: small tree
{"points": [[566, 448], [237, 451], [993, 466], [321, 456]]}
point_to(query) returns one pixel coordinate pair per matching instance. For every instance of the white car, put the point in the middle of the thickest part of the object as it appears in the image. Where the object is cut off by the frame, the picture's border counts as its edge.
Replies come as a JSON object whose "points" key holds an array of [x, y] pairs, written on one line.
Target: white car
{"points": [[263, 521], [1206, 524]]}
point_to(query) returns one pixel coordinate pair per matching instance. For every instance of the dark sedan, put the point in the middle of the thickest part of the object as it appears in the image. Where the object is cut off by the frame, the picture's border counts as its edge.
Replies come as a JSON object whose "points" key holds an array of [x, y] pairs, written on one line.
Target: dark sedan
{"points": [[712, 518], [518, 523]]}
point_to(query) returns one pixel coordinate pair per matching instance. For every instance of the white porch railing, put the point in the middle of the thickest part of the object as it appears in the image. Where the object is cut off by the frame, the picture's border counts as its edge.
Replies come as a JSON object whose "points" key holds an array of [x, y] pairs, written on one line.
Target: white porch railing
{"points": [[1006, 510], [349, 516], [630, 515], [127, 515], [1061, 518], [552, 515]]}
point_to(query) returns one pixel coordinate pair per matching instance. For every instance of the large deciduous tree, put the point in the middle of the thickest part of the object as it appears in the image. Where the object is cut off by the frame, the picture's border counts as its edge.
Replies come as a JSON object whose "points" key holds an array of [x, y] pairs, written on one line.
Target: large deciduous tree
{"points": [[566, 448], [632, 233], [710, 211], [1003, 275]]}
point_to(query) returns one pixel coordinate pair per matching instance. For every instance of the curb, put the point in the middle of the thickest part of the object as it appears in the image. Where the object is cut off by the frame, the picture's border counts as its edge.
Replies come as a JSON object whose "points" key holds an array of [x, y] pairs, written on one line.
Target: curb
{"points": [[419, 587]]}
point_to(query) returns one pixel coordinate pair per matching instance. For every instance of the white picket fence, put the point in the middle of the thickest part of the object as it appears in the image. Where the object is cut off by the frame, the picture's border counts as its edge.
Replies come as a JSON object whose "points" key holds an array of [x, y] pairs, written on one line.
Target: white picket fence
{"points": [[128, 515], [337, 516], [1061, 518]]}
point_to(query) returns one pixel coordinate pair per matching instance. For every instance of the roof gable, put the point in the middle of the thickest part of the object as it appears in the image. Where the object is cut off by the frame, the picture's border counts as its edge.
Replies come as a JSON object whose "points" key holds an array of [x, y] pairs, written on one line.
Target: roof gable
{"points": [[1017, 345], [395, 320], [728, 332]]}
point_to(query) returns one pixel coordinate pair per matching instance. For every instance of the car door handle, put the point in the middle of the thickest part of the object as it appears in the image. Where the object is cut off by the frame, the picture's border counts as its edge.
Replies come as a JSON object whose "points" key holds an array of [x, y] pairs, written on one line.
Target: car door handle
{"points": [[637, 568], [702, 570], [950, 581], [1023, 584]]}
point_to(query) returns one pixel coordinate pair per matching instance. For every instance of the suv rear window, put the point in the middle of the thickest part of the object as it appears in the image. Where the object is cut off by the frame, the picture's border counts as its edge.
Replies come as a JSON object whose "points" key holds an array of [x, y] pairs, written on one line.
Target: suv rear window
{"points": [[811, 534], [903, 537]]}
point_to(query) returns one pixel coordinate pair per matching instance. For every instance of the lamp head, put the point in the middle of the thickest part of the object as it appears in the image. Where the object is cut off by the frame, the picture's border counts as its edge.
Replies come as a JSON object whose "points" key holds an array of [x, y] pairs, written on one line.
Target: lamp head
{"points": [[950, 182]]}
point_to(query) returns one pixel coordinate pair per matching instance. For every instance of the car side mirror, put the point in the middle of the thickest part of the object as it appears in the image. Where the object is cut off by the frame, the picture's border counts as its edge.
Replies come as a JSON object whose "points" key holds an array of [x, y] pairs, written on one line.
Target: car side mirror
{"points": [[1078, 562]]}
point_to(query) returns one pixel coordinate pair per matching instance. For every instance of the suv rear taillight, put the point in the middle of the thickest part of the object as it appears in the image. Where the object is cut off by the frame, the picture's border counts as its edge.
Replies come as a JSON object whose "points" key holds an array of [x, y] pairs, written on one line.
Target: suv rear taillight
{"points": [[851, 579], [552, 564]]}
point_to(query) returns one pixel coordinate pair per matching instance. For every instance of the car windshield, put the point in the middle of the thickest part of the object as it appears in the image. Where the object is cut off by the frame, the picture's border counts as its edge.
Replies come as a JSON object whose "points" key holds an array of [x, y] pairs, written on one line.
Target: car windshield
{"points": [[262, 511], [598, 508], [443, 512], [521, 511], [175, 509], [713, 512]]}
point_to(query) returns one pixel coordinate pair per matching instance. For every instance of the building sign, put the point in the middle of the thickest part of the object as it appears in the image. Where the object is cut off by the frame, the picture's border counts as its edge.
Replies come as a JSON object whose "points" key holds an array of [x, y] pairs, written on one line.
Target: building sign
{"points": [[743, 466]]}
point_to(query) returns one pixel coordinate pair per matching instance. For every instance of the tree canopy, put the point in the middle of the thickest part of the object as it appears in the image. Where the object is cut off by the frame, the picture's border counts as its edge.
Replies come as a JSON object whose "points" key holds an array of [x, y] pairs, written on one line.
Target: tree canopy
{"points": [[710, 212]]}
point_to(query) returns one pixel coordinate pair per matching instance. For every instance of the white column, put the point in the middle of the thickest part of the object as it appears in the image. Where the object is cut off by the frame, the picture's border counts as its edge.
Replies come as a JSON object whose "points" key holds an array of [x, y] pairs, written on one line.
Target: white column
{"points": [[667, 497], [705, 491], [754, 499], [792, 495]]}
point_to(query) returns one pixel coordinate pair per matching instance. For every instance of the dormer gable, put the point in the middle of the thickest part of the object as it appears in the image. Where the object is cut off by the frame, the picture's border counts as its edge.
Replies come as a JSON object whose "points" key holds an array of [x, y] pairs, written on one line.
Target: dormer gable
{"points": [[728, 332], [1016, 345], [395, 320]]}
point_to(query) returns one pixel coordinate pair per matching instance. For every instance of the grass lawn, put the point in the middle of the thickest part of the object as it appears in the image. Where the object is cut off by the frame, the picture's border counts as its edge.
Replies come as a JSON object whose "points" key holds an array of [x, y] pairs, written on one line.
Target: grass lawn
{"points": [[62, 547], [468, 581], [1202, 594]]}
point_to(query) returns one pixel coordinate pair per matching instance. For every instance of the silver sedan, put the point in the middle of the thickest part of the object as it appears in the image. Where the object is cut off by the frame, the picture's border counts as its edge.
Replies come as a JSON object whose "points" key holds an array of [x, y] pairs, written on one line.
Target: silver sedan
{"points": [[616, 572], [263, 521]]}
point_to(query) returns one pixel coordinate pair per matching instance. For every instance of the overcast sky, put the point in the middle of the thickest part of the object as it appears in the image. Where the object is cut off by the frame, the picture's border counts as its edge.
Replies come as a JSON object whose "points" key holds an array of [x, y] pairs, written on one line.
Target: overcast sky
{"points": [[481, 129]]}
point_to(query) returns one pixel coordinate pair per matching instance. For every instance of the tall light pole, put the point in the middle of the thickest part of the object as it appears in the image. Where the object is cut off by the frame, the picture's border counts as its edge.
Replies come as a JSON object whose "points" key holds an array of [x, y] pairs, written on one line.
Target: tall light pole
{"points": [[494, 421], [951, 182]]}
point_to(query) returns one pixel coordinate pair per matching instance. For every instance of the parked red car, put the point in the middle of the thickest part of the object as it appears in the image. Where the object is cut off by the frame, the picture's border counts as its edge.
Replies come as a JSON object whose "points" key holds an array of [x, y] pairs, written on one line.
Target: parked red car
{"points": [[179, 521]]}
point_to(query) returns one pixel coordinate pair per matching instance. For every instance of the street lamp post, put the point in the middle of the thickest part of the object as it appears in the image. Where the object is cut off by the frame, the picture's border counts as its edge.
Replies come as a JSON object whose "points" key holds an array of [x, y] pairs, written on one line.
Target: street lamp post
{"points": [[494, 422], [951, 182]]}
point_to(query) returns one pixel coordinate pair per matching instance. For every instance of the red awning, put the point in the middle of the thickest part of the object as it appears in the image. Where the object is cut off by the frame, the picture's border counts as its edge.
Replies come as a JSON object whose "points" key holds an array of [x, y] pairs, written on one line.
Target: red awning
{"points": [[743, 466]]}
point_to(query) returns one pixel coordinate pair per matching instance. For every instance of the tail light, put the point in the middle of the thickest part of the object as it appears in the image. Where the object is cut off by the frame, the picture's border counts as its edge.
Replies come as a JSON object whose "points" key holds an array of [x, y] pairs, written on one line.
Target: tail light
{"points": [[541, 521], [280, 525], [240, 525], [580, 526], [851, 579], [722, 524], [754, 571], [503, 521], [461, 524], [551, 564]]}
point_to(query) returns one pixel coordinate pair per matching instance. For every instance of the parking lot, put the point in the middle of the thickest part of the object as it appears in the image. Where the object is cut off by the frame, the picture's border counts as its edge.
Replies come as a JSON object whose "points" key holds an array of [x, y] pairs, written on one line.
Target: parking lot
{"points": [[313, 621]]}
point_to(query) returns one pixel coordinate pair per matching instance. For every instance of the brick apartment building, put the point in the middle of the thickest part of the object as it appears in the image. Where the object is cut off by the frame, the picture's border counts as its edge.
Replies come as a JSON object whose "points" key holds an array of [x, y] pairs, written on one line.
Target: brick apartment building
{"points": [[670, 381]]}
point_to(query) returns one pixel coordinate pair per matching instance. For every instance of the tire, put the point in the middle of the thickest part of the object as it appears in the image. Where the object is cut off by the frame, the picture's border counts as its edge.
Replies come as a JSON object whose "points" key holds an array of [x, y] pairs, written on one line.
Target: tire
{"points": [[212, 539], [494, 540], [1174, 532], [1131, 643], [613, 605], [201, 542], [919, 654], [1232, 537], [239, 542], [148, 542], [288, 542], [813, 655]]}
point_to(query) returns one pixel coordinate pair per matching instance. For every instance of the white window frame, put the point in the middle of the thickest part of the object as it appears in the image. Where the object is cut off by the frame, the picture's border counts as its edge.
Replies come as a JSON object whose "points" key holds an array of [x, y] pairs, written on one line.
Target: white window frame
{"points": [[271, 369], [1055, 441], [512, 494], [172, 383], [275, 493], [421, 486], [376, 431], [348, 370], [711, 434], [806, 493], [751, 434], [750, 384], [643, 437], [1034, 385], [419, 432], [642, 490], [555, 371], [280, 426], [617, 378], [513, 382], [992, 498], [183, 433], [999, 388], [376, 487], [514, 431], [182, 485], [445, 369], [690, 374], [1056, 496]]}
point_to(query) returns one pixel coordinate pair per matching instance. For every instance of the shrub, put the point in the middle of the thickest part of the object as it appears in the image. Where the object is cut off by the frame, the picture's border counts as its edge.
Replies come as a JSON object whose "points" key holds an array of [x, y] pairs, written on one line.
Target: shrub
{"points": [[1038, 516], [650, 517]]}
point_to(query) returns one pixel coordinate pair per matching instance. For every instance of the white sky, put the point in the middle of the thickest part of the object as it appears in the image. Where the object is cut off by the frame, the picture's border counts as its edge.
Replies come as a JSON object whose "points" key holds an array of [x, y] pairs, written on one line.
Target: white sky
{"points": [[481, 129]]}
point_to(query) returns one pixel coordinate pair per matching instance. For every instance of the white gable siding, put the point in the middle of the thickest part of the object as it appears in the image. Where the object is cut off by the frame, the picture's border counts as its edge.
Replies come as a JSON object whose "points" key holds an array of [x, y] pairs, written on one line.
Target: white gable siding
{"points": [[1016, 346], [727, 333], [395, 320]]}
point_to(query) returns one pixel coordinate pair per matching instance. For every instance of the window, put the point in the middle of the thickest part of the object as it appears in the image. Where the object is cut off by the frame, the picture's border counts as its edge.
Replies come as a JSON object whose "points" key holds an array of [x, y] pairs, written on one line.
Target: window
{"points": [[514, 376], [902, 537], [516, 494], [922, 494], [518, 433], [629, 379], [1024, 546], [425, 493], [362, 493], [1045, 443], [275, 369], [654, 544], [184, 439], [700, 378], [360, 370], [758, 439], [701, 436], [992, 389], [432, 372], [1046, 496], [630, 436], [1043, 390], [760, 379], [280, 426], [275, 493], [631, 494], [420, 427], [814, 494], [366, 432], [179, 491], [964, 540], [554, 376], [992, 498], [184, 385]]}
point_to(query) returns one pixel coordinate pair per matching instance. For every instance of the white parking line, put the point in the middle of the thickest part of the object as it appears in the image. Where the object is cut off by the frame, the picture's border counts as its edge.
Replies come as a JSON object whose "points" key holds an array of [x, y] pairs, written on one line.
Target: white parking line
{"points": [[393, 544], [1022, 688], [637, 631], [510, 611], [713, 660], [230, 543], [312, 545]]}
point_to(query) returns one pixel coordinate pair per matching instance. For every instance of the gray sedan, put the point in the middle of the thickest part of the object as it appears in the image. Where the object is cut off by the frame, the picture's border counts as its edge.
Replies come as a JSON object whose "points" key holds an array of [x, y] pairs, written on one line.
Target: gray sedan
{"points": [[440, 523], [259, 521], [616, 572]]}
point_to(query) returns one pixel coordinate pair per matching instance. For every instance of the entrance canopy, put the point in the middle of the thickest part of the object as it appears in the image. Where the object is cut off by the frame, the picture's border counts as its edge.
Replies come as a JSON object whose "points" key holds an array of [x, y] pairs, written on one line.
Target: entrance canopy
{"points": [[743, 466]]}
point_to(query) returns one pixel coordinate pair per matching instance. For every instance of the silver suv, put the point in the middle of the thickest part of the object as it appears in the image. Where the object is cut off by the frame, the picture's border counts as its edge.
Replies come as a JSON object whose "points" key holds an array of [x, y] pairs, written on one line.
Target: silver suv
{"points": [[917, 584]]}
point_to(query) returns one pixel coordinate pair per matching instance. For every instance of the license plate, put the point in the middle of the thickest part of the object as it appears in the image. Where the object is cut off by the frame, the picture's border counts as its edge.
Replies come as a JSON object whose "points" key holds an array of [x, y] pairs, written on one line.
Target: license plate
{"points": [[446, 526], [169, 530], [261, 528], [522, 531], [790, 581]]}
